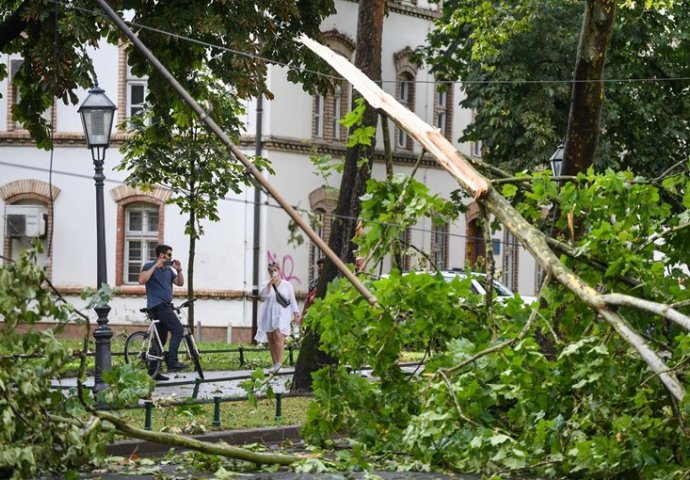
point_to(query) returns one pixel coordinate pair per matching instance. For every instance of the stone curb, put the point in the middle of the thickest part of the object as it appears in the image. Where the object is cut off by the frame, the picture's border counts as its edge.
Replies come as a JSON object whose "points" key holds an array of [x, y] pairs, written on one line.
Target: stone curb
{"points": [[127, 448]]}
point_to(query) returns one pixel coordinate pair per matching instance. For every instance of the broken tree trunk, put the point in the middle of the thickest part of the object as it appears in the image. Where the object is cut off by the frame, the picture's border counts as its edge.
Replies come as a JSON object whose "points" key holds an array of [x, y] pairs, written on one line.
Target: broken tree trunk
{"points": [[469, 179]]}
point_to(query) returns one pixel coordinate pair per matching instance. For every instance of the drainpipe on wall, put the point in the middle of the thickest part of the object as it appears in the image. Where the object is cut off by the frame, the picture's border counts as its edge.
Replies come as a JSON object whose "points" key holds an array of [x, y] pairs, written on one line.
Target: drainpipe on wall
{"points": [[257, 221]]}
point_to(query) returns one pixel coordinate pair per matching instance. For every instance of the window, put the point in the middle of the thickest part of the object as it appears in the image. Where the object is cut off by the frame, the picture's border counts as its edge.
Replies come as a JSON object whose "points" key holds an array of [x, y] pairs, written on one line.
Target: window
{"points": [[141, 238], [405, 90], [322, 202], [443, 109], [136, 97], [510, 260], [328, 110], [335, 118], [28, 217], [318, 116], [439, 246], [14, 97]]}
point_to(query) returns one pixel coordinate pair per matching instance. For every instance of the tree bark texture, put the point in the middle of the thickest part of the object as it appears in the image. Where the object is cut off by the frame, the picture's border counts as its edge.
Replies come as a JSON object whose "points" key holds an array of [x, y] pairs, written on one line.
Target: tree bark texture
{"points": [[352, 185], [584, 121]]}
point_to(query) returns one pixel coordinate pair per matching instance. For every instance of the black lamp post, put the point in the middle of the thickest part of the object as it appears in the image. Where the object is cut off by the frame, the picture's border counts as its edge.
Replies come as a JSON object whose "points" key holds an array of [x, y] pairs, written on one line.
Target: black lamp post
{"points": [[556, 160], [97, 113]]}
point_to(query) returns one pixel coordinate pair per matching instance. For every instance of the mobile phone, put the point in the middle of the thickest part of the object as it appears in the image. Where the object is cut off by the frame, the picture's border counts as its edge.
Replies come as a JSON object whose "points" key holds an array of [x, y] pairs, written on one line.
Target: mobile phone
{"points": [[168, 263]]}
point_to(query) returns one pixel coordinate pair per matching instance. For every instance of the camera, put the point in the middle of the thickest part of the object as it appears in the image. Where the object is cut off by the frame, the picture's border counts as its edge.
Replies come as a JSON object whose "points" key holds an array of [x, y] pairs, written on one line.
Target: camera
{"points": [[168, 263]]}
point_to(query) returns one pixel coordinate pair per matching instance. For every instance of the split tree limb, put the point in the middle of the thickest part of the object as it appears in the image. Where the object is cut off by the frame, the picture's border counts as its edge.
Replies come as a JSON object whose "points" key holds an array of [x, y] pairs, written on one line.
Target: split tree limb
{"points": [[429, 137], [533, 239]]}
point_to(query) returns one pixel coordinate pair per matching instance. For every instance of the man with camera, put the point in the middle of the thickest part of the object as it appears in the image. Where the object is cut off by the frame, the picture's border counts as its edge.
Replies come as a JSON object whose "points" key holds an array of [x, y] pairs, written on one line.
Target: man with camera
{"points": [[159, 276]]}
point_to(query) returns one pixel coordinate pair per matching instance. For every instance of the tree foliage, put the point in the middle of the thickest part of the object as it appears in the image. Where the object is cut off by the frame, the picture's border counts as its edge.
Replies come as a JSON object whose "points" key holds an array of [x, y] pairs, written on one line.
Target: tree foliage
{"points": [[490, 399], [237, 40], [41, 430], [516, 61]]}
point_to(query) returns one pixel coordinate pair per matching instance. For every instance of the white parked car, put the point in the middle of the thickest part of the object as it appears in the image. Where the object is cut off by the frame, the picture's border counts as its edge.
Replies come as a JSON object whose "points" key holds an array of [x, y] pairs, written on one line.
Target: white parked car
{"points": [[477, 281]]}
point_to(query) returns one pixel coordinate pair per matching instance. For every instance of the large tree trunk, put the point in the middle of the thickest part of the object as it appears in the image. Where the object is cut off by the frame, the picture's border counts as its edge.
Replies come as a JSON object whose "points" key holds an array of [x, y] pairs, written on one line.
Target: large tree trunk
{"points": [[588, 90], [352, 186]]}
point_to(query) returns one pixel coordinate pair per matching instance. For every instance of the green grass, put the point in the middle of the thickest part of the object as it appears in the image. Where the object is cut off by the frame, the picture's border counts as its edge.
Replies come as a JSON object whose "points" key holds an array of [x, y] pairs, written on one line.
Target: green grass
{"points": [[236, 415], [209, 361]]}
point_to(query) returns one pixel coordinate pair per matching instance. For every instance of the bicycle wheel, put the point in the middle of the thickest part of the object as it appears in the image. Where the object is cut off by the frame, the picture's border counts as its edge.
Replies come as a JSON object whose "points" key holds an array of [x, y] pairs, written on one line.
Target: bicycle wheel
{"points": [[194, 355], [136, 347]]}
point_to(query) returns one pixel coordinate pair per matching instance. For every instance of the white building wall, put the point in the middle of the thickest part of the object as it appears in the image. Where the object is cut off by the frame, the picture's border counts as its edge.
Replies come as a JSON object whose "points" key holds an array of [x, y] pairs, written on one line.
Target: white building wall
{"points": [[223, 267]]}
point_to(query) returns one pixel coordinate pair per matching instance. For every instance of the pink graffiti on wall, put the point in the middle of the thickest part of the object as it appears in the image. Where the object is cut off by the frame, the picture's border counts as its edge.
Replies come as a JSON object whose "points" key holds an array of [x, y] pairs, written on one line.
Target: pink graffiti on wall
{"points": [[287, 266]]}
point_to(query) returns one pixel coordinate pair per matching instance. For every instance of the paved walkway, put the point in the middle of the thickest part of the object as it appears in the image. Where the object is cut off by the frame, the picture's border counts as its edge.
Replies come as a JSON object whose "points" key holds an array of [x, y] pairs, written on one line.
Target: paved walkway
{"points": [[183, 384]]}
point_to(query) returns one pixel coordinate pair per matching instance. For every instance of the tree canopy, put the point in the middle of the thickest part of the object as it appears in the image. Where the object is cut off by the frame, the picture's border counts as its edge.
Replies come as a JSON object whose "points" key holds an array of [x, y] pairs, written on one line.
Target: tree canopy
{"points": [[235, 39], [516, 64]]}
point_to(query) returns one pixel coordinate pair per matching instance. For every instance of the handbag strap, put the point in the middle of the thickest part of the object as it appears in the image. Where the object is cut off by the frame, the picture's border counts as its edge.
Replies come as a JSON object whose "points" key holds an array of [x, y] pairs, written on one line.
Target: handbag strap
{"points": [[281, 298]]}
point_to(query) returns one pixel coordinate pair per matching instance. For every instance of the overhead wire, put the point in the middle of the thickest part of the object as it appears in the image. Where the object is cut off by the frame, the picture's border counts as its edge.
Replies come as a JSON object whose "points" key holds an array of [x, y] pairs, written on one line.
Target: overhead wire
{"points": [[254, 56], [265, 203]]}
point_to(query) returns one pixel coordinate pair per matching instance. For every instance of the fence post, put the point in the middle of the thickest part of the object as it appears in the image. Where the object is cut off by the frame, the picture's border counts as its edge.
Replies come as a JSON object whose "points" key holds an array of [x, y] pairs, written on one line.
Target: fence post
{"points": [[148, 406], [195, 393], [216, 412], [292, 362], [241, 349], [279, 407]]}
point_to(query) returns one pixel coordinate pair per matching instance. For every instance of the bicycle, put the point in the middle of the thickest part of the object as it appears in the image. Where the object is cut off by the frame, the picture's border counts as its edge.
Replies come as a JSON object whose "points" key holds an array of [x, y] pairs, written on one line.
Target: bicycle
{"points": [[145, 349]]}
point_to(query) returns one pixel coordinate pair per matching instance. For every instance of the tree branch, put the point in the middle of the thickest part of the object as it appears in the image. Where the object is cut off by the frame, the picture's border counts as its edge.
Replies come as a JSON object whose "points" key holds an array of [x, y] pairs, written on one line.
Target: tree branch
{"points": [[13, 26], [663, 310], [191, 443]]}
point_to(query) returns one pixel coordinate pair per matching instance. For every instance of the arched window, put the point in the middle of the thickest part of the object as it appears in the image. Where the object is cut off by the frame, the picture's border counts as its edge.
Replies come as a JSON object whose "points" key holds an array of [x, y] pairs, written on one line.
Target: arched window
{"points": [[140, 227], [322, 202], [406, 74], [28, 218], [329, 108]]}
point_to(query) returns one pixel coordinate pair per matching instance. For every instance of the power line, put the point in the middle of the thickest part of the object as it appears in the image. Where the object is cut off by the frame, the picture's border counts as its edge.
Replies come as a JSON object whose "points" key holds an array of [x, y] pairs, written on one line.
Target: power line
{"points": [[265, 204], [422, 82]]}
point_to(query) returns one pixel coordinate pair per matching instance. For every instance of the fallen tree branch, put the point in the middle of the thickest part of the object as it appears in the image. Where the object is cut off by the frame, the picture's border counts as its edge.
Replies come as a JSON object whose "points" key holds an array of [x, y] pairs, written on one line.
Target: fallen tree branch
{"points": [[663, 310], [193, 444], [532, 238]]}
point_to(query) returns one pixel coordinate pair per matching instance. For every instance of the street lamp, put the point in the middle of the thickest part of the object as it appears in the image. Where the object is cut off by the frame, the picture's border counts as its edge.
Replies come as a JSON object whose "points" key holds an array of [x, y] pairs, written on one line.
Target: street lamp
{"points": [[556, 160], [97, 113]]}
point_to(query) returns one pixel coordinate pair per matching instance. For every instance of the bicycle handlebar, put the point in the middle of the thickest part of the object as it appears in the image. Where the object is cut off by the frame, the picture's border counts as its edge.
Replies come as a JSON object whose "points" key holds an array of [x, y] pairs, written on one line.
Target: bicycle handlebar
{"points": [[185, 304], [176, 308]]}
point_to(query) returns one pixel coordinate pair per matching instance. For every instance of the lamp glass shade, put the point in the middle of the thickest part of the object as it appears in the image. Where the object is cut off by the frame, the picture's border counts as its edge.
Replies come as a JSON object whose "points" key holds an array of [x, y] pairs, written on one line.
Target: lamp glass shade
{"points": [[556, 160], [97, 112]]}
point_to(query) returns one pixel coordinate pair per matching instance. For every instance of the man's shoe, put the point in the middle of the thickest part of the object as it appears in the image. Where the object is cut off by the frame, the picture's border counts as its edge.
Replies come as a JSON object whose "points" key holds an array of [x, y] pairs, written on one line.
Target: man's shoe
{"points": [[275, 368], [161, 378], [177, 367]]}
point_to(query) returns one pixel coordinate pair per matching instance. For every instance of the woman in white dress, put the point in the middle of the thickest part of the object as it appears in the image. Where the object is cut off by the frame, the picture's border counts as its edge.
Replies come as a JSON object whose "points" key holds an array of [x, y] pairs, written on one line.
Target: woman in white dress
{"points": [[276, 315]]}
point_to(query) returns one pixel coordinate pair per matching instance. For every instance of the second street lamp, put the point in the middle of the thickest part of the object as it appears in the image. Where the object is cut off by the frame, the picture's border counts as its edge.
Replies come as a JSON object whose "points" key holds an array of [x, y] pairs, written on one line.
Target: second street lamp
{"points": [[97, 112], [556, 161]]}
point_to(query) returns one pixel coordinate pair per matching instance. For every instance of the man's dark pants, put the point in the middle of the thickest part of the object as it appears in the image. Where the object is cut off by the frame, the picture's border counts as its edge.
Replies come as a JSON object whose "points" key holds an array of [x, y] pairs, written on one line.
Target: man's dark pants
{"points": [[169, 323]]}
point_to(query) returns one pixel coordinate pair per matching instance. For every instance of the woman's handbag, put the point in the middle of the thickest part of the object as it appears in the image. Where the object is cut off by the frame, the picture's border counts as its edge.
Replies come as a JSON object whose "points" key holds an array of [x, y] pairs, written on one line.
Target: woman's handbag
{"points": [[282, 301]]}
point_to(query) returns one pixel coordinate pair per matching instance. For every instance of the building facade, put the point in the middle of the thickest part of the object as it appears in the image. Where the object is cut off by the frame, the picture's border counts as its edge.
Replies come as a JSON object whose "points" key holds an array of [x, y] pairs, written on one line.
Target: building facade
{"points": [[49, 196]]}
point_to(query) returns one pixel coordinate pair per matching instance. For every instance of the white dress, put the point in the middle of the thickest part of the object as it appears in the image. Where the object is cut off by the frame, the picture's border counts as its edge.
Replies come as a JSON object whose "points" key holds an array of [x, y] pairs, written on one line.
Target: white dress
{"points": [[273, 316]]}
